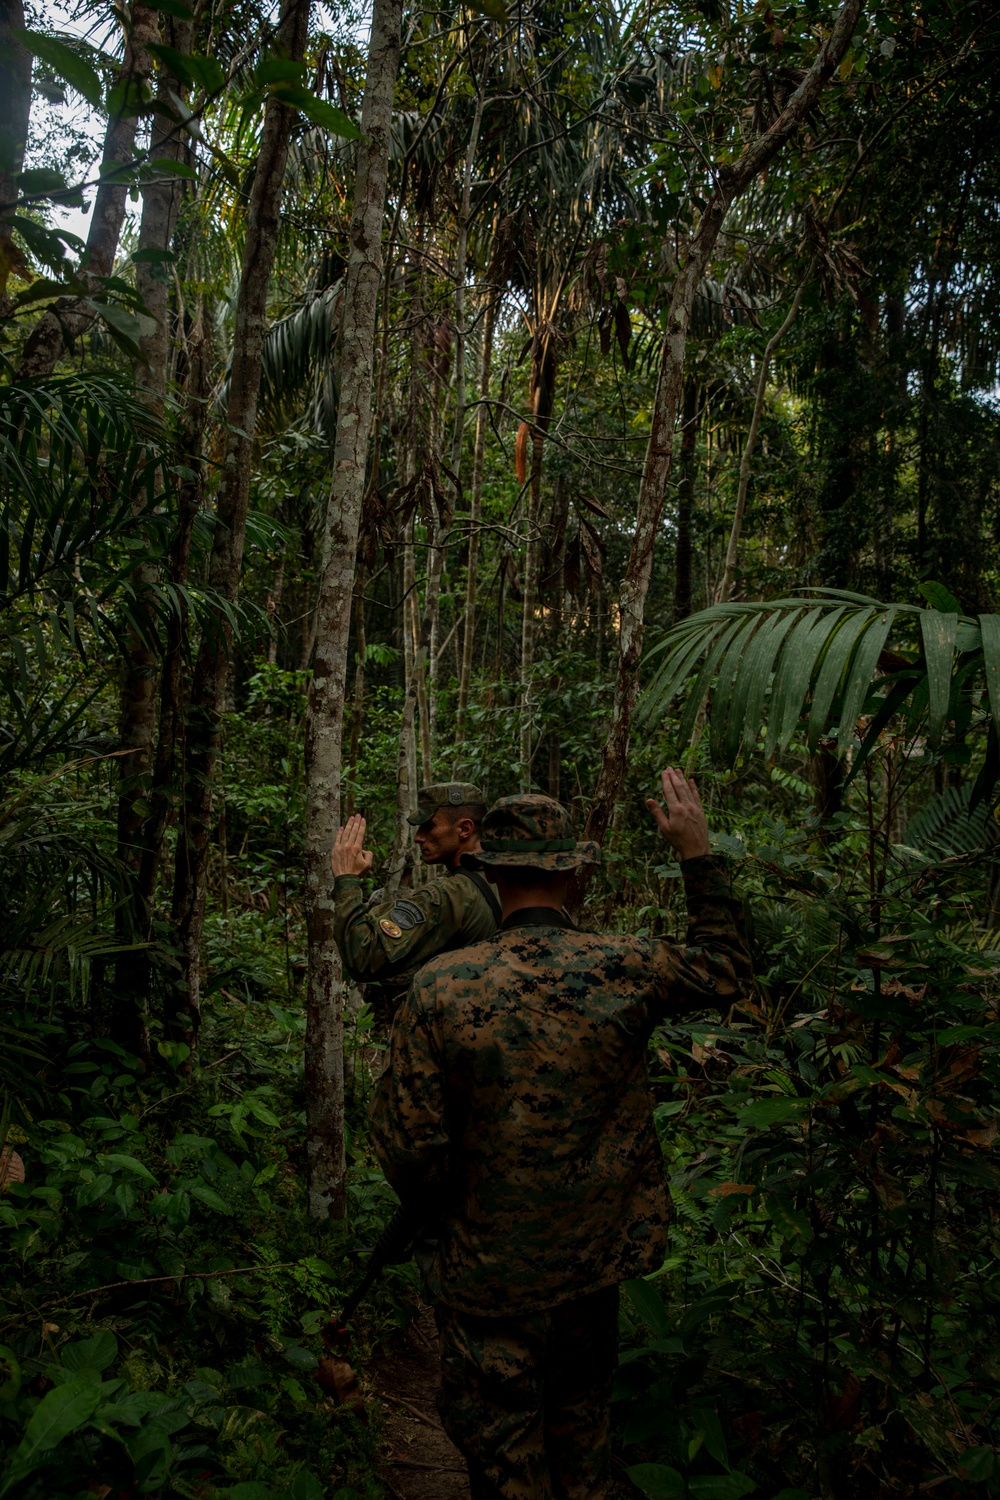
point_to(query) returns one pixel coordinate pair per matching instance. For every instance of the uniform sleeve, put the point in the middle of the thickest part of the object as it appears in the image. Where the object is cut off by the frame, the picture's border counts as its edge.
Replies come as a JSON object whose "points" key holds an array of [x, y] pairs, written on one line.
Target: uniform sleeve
{"points": [[396, 936], [408, 1128], [711, 969]]}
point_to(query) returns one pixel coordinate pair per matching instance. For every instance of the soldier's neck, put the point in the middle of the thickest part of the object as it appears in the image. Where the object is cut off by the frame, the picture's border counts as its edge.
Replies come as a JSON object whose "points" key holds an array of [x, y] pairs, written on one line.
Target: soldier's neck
{"points": [[455, 861]]}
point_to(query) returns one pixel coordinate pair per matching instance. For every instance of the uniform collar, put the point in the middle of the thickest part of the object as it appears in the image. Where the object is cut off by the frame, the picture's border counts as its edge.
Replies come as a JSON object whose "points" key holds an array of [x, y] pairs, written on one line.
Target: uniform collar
{"points": [[538, 916]]}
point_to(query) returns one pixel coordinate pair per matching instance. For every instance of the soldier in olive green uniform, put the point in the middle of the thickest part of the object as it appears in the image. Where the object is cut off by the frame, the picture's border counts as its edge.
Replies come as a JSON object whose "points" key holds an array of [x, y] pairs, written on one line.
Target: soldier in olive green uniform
{"points": [[515, 1096], [385, 942]]}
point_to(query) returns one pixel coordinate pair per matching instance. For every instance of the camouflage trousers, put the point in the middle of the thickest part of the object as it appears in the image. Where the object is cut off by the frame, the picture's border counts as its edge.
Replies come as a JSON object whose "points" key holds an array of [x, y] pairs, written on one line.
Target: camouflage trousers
{"points": [[527, 1400]]}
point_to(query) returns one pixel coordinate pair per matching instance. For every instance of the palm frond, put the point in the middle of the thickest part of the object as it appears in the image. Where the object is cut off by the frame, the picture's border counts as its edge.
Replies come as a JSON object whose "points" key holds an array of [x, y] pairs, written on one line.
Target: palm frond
{"points": [[816, 657]]}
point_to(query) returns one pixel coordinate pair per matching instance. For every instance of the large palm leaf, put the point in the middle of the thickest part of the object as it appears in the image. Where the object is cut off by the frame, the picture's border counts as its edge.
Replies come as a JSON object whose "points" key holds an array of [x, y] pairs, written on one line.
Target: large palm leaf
{"points": [[827, 657]]}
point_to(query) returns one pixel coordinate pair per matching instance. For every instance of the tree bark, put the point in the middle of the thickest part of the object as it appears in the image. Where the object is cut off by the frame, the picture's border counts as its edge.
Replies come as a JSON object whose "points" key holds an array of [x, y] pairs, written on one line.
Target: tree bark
{"points": [[542, 394], [67, 320], [475, 515], [137, 708], [324, 1063], [729, 183], [15, 108], [684, 550], [208, 696], [358, 706]]}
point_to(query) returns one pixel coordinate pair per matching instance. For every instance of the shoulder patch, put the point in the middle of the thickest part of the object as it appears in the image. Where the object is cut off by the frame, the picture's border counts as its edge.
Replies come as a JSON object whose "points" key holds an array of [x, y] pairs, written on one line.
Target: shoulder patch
{"points": [[390, 928], [408, 914]]}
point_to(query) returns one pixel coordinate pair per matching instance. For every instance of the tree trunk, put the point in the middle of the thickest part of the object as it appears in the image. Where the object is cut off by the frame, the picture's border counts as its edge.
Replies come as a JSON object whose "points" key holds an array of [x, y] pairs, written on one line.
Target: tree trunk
{"points": [[15, 108], [358, 706], [208, 696], [137, 716], [730, 183], [475, 514], [67, 320], [324, 1064], [684, 550], [543, 392]]}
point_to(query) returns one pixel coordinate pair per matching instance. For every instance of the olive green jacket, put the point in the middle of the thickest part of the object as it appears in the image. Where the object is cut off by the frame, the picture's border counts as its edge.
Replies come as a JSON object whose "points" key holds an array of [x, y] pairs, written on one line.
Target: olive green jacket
{"points": [[388, 942]]}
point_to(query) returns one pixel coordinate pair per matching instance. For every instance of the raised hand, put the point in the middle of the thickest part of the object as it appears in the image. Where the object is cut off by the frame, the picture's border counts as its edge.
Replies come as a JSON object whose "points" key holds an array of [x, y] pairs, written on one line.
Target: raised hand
{"points": [[347, 857], [682, 820]]}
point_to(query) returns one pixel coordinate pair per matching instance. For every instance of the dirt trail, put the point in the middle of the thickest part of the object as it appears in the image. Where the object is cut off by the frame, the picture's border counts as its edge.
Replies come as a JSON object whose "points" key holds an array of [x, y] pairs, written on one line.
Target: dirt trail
{"points": [[421, 1462]]}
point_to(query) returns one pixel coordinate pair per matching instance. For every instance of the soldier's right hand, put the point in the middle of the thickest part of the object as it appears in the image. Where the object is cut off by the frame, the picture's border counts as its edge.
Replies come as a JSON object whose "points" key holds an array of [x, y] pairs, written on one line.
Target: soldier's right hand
{"points": [[347, 856]]}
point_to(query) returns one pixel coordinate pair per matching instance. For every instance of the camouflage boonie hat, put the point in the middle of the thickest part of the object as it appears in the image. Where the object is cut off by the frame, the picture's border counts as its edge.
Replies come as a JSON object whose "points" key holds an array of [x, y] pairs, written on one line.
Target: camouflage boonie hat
{"points": [[532, 831], [444, 794]]}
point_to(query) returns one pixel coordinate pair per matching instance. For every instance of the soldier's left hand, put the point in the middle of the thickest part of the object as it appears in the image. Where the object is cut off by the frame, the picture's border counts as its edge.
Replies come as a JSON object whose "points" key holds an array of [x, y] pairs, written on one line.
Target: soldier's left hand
{"points": [[682, 819], [347, 856]]}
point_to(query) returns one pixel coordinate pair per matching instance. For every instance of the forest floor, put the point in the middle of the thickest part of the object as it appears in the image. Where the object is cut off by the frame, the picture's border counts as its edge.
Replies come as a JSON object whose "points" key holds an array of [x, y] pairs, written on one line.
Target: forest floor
{"points": [[421, 1462]]}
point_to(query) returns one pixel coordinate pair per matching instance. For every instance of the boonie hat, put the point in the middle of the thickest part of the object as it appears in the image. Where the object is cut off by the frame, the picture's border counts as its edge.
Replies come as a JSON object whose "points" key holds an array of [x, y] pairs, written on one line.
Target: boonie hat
{"points": [[444, 794], [534, 831]]}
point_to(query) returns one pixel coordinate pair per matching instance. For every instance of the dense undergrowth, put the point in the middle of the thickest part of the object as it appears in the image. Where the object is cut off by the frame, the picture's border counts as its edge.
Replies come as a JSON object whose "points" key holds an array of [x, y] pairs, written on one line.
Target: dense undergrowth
{"points": [[826, 1323]]}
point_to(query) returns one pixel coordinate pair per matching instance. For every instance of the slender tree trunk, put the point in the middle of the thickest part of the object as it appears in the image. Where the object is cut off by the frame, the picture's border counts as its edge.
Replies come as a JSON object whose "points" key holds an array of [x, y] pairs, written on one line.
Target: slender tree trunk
{"points": [[684, 550], [543, 392], [67, 320], [358, 706], [274, 601], [730, 183], [725, 591], [15, 109], [475, 515], [197, 384], [208, 696], [324, 1065], [137, 716]]}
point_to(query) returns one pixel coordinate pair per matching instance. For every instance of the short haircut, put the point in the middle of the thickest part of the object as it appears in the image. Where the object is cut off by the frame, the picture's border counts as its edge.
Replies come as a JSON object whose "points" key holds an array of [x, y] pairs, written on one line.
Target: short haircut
{"points": [[474, 810]]}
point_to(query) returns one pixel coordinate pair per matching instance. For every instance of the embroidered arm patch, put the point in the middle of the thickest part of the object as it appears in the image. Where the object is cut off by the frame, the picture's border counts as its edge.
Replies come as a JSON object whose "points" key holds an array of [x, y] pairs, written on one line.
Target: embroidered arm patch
{"points": [[407, 914]]}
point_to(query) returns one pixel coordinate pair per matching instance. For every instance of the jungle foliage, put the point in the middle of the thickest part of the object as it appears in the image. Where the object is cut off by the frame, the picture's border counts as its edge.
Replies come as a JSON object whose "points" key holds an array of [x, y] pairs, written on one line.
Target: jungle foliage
{"points": [[810, 586]]}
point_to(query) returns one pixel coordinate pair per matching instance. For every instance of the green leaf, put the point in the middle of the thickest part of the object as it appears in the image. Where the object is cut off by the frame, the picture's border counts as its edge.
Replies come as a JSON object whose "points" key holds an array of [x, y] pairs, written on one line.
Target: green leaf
{"points": [[658, 1481], [495, 9], [198, 72], [938, 597], [159, 164], [707, 1422], [95, 1353], [41, 181], [766, 1112], [327, 116], [65, 1409], [64, 60], [127, 1164], [649, 1306], [278, 70], [862, 670], [938, 631], [990, 627], [836, 659], [795, 670], [209, 1197]]}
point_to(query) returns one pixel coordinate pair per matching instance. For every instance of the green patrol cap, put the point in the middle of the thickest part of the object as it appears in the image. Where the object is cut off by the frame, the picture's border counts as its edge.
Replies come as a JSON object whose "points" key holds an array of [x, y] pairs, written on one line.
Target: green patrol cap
{"points": [[445, 794], [532, 831]]}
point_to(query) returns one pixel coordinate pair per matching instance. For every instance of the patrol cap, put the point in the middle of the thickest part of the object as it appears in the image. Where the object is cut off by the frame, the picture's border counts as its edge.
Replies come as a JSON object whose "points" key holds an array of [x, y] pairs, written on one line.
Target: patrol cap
{"points": [[534, 831], [445, 794]]}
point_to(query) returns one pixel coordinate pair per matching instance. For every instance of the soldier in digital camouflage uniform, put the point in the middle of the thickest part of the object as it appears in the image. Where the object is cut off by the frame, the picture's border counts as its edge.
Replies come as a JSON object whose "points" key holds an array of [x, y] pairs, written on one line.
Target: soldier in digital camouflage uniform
{"points": [[515, 1098], [385, 942]]}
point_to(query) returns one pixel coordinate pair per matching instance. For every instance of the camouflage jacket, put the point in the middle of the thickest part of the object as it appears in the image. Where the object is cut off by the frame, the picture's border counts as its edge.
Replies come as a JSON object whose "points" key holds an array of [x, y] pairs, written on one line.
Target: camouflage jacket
{"points": [[387, 942], [515, 1094]]}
